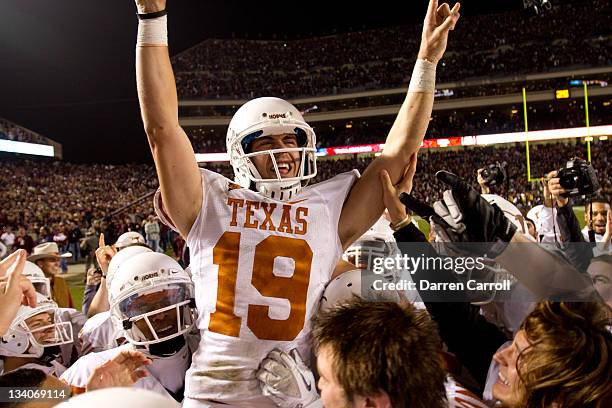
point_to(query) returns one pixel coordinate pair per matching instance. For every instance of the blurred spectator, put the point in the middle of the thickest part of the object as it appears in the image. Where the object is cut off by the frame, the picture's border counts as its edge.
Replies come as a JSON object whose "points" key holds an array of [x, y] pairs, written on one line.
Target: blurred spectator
{"points": [[8, 238], [74, 239], [89, 244], [47, 257], [152, 233], [23, 240]]}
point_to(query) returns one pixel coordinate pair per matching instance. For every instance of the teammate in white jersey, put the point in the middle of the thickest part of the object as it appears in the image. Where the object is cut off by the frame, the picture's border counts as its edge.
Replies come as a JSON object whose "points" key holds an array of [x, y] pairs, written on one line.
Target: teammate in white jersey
{"points": [[152, 301], [262, 249]]}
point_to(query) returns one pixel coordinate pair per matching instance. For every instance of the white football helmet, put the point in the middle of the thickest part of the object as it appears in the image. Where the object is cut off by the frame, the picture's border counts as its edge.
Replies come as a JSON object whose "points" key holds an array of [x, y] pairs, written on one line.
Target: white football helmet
{"points": [[119, 398], [129, 238], [121, 257], [35, 328], [41, 283], [151, 297], [355, 283], [377, 242], [510, 211], [264, 117]]}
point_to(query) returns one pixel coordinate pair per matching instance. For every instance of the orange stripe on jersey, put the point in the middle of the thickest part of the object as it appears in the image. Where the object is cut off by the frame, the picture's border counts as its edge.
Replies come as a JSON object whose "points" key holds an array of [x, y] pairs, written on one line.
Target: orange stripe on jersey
{"points": [[466, 399], [77, 390], [296, 202]]}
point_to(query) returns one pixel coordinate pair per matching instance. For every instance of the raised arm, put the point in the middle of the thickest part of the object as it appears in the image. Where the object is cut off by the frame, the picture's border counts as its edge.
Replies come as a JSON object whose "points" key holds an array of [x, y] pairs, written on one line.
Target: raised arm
{"points": [[177, 169], [408, 130]]}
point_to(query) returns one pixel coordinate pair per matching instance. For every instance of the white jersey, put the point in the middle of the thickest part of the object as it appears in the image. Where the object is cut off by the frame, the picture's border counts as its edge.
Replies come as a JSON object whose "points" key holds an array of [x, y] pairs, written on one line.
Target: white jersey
{"points": [[98, 334], [259, 268], [165, 373]]}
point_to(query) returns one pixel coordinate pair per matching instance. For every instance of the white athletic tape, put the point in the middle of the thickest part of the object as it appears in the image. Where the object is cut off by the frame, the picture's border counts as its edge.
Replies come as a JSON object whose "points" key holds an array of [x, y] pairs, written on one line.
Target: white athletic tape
{"points": [[153, 31], [423, 77]]}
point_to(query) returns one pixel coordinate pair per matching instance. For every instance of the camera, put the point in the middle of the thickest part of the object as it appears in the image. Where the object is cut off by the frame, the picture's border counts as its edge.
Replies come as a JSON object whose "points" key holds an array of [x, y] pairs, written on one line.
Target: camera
{"points": [[494, 174], [578, 178]]}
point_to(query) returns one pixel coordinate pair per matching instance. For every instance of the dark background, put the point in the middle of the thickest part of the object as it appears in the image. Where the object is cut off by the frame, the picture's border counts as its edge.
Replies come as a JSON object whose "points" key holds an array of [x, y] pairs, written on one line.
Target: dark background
{"points": [[67, 66]]}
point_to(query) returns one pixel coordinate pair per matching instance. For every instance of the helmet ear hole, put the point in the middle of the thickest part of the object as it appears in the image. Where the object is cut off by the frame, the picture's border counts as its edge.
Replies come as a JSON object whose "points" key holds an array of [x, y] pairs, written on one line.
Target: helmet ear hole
{"points": [[301, 137]]}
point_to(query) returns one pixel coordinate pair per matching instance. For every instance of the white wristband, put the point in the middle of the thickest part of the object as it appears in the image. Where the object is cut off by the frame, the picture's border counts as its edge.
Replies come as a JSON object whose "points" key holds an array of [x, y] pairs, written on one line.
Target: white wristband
{"points": [[153, 31], [423, 77]]}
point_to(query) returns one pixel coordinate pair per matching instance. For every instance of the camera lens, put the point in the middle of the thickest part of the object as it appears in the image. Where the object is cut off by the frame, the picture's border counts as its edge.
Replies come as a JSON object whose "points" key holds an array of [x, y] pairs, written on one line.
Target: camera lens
{"points": [[569, 181]]}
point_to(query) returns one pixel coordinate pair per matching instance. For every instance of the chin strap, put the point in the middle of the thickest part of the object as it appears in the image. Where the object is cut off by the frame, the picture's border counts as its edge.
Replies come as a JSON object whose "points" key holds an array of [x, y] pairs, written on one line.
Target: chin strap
{"points": [[50, 354], [167, 348]]}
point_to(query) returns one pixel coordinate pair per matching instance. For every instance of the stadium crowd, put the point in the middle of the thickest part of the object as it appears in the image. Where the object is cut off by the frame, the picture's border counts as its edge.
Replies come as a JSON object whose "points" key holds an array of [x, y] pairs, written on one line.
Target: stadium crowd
{"points": [[55, 199], [354, 61]]}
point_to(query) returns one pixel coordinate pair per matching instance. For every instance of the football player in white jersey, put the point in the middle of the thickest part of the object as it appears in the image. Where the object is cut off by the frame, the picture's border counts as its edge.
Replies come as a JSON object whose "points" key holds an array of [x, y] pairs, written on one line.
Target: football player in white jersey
{"points": [[263, 247], [152, 301]]}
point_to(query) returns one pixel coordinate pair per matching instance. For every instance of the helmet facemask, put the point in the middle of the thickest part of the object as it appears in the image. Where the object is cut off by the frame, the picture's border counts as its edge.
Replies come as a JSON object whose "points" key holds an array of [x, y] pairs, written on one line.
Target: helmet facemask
{"points": [[157, 313]]}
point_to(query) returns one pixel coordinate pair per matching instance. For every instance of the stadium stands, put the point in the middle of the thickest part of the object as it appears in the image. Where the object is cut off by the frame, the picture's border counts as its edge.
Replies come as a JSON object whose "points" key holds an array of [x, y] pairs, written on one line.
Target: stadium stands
{"points": [[383, 58], [53, 194]]}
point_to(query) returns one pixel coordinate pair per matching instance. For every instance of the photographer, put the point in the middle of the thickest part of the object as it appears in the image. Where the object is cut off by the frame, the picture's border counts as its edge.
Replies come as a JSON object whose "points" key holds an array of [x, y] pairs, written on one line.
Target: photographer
{"points": [[493, 175], [596, 215]]}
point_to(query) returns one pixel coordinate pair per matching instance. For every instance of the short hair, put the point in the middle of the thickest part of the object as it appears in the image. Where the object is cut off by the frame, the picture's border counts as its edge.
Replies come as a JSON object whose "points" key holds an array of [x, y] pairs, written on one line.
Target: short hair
{"points": [[384, 346], [23, 377], [569, 359], [597, 199], [607, 258]]}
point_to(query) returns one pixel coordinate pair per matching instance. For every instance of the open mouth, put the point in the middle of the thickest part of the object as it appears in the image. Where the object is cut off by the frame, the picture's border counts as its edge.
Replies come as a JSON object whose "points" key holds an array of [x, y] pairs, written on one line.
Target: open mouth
{"points": [[284, 169], [502, 379], [164, 330]]}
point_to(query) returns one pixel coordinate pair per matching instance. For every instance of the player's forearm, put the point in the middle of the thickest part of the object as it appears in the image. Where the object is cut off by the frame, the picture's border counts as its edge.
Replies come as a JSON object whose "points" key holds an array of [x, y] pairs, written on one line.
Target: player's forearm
{"points": [[99, 303], [408, 130], [156, 90]]}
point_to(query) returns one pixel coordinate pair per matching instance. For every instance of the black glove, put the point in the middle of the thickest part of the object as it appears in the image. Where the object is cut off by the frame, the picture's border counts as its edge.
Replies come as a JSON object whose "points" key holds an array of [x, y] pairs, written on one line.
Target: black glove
{"points": [[464, 216]]}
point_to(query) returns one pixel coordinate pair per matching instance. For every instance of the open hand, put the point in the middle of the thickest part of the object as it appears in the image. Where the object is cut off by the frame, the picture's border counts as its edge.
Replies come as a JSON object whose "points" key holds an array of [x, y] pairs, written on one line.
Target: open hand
{"points": [[123, 370]]}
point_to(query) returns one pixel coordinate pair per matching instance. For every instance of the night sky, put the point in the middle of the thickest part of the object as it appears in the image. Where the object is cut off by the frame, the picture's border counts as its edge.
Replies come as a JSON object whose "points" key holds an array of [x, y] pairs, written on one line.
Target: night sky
{"points": [[67, 66]]}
